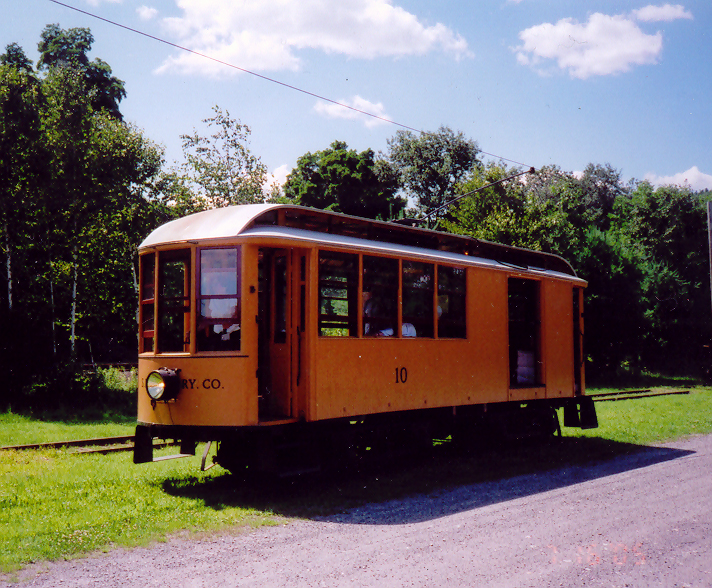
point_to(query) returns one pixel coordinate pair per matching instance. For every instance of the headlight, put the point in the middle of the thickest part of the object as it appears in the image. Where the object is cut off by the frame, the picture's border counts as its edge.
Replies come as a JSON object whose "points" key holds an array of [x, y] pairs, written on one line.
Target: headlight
{"points": [[163, 384]]}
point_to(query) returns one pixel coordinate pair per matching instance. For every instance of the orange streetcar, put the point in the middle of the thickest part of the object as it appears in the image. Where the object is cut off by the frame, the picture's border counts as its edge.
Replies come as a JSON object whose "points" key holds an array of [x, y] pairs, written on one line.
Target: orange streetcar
{"points": [[291, 335]]}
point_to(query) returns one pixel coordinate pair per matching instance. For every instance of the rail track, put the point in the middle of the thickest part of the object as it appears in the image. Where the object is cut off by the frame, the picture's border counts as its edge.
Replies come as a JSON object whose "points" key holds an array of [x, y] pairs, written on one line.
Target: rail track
{"points": [[100, 445], [634, 395]]}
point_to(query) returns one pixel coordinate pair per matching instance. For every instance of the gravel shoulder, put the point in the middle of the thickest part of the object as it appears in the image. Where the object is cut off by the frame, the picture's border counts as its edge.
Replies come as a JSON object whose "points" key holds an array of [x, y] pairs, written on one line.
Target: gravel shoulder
{"points": [[636, 520]]}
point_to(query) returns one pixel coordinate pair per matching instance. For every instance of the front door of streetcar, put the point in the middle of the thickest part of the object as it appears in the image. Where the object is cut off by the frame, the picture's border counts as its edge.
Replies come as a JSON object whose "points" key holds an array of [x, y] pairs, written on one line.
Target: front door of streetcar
{"points": [[281, 318]]}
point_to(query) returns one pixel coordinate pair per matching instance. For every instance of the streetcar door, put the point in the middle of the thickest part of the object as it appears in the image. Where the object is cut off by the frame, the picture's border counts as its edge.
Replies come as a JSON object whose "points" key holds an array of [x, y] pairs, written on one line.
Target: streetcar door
{"points": [[281, 318]]}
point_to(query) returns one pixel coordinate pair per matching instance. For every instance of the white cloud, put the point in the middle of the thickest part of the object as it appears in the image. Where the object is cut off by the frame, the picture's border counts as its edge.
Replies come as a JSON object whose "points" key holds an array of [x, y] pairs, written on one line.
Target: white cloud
{"points": [[146, 12], [603, 45], [269, 34], [279, 175], [331, 110], [666, 13], [693, 177]]}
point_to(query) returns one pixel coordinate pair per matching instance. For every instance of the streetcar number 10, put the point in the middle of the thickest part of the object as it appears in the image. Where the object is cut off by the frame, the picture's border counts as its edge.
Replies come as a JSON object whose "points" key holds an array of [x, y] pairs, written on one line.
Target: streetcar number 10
{"points": [[401, 375]]}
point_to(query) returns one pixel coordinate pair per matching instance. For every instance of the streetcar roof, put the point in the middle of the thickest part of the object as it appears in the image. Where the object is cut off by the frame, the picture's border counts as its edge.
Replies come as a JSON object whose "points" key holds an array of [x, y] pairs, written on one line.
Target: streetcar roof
{"points": [[335, 229], [379, 247]]}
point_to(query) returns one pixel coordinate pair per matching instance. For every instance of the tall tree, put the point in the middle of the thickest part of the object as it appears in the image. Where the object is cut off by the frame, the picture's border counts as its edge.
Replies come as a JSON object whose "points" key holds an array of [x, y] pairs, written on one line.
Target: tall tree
{"points": [[21, 152], [22, 178], [220, 169], [70, 48], [494, 213], [666, 227], [601, 186], [342, 180], [431, 165]]}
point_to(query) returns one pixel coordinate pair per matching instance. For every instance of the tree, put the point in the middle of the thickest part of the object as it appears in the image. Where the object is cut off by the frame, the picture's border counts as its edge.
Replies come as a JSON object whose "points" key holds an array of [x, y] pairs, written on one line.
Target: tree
{"points": [[22, 176], [342, 180], [21, 152], [15, 57], [601, 185], [430, 166], [220, 170], [494, 213], [60, 48], [666, 228], [614, 316]]}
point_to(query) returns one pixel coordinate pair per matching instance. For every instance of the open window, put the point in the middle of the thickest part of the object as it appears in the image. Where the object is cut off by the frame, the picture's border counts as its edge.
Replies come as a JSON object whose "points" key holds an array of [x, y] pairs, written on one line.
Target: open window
{"points": [[524, 332], [380, 296], [338, 294], [452, 299], [219, 299], [418, 293]]}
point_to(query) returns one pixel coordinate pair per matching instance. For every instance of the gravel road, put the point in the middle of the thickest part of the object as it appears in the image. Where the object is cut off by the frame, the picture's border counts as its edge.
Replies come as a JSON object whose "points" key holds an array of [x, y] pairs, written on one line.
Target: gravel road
{"points": [[642, 520]]}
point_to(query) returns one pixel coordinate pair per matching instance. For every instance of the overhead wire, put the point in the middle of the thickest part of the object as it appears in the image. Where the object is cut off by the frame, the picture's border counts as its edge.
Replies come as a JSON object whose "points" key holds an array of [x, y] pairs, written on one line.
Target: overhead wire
{"points": [[255, 74]]}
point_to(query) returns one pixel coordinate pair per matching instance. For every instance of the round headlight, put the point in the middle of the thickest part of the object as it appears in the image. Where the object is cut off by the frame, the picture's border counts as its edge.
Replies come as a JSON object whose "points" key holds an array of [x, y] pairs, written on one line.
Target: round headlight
{"points": [[163, 384]]}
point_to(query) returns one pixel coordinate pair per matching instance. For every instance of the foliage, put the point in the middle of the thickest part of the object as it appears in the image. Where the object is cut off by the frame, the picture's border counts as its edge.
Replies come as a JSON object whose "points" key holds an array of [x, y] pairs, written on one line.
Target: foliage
{"points": [[77, 195], [430, 166], [614, 319], [642, 250], [342, 180], [666, 229], [495, 213], [74, 392], [220, 170], [59, 49], [601, 185]]}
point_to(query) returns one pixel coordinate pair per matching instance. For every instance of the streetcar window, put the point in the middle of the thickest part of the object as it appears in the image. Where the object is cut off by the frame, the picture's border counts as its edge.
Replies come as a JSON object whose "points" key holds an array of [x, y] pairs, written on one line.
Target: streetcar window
{"points": [[418, 290], [338, 294], [524, 329], [173, 300], [147, 289], [452, 295], [219, 300], [380, 296]]}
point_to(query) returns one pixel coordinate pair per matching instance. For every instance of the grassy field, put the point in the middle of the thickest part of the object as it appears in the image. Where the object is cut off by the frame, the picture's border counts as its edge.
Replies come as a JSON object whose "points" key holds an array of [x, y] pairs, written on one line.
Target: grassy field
{"points": [[56, 505]]}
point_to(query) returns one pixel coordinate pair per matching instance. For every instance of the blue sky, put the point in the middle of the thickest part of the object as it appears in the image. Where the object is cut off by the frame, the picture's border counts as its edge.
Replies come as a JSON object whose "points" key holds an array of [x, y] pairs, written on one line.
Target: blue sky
{"points": [[536, 81]]}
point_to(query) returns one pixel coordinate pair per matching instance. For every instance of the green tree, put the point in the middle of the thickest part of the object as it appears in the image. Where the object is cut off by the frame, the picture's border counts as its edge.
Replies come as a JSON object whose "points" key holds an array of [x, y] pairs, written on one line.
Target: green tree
{"points": [[430, 166], [614, 316], [59, 48], [497, 213], [79, 189], [342, 180], [666, 228], [219, 169], [22, 176], [21, 154], [601, 186]]}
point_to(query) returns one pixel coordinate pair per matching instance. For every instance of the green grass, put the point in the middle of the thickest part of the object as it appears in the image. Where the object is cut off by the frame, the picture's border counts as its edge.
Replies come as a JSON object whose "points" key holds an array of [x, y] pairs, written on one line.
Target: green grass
{"points": [[56, 505], [17, 429], [652, 420]]}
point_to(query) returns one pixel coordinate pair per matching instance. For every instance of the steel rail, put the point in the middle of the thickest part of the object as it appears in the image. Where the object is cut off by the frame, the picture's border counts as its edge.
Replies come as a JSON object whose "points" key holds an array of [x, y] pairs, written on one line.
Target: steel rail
{"points": [[103, 445], [634, 395]]}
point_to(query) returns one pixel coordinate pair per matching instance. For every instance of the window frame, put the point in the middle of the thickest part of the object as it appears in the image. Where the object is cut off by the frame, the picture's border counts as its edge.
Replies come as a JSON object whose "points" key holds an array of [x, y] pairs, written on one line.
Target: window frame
{"points": [[205, 323], [398, 289]]}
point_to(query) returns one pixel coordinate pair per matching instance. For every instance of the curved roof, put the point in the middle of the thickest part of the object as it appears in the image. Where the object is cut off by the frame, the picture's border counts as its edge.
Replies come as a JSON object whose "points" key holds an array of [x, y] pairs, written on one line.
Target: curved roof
{"points": [[234, 221], [216, 223]]}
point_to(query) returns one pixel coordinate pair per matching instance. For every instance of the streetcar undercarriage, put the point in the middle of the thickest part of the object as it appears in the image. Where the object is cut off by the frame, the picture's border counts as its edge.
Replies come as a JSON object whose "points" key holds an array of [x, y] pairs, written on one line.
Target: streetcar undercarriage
{"points": [[298, 448]]}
